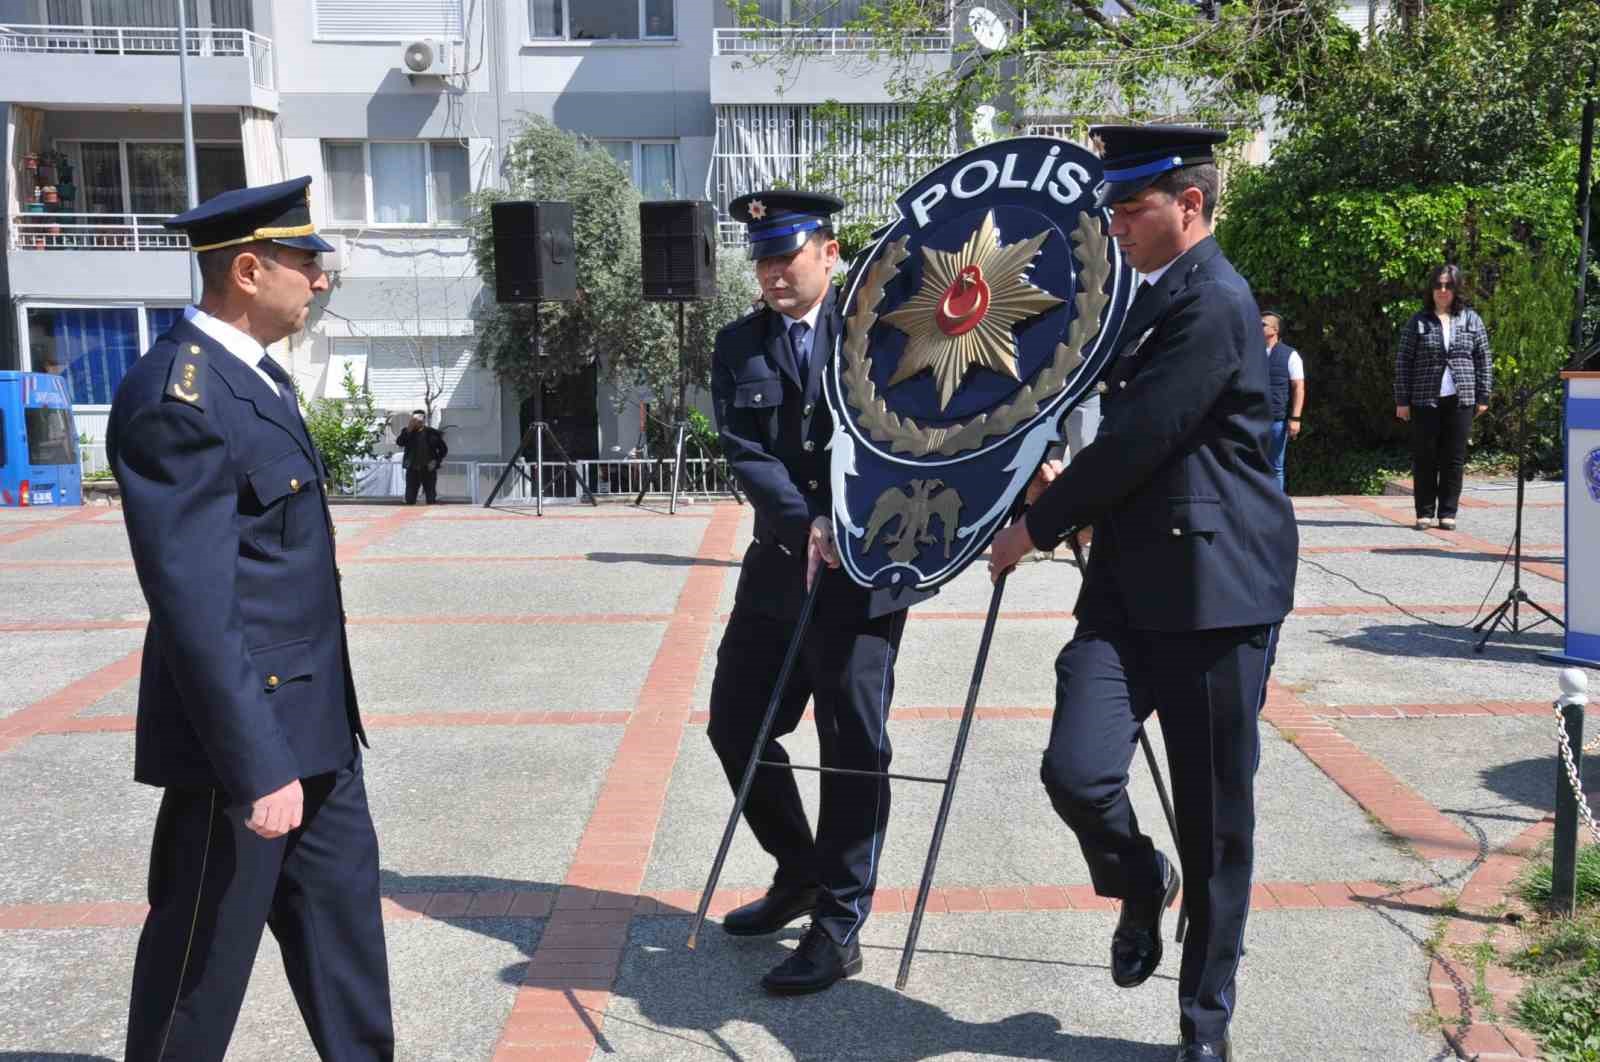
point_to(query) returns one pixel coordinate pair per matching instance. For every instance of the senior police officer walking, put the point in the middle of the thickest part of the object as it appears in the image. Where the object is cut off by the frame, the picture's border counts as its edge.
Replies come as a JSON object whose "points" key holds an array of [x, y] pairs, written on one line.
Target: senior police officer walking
{"points": [[247, 710], [774, 425], [1192, 572]]}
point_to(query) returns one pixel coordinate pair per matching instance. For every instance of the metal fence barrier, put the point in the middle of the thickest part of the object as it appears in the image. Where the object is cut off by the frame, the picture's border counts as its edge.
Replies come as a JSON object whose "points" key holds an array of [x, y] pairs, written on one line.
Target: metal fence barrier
{"points": [[471, 481]]}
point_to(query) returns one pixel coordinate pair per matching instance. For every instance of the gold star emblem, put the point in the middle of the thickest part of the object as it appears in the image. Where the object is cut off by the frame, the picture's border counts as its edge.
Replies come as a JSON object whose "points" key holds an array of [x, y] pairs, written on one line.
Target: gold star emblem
{"points": [[758, 210], [964, 312]]}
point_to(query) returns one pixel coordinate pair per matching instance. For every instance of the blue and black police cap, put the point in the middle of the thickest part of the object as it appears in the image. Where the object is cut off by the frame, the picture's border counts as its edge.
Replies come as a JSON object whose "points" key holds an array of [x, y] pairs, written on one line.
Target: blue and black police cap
{"points": [[1135, 156], [778, 222], [278, 212]]}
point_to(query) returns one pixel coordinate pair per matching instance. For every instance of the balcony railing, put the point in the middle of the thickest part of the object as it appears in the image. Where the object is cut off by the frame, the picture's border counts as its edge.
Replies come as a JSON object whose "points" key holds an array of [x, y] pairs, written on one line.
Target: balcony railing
{"points": [[820, 41], [94, 232], [141, 40]]}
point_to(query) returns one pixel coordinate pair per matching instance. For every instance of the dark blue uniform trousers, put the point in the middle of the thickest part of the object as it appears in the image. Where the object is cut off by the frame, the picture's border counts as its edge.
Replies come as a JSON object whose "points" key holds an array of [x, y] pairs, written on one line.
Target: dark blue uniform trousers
{"points": [[214, 884], [848, 669], [1207, 688]]}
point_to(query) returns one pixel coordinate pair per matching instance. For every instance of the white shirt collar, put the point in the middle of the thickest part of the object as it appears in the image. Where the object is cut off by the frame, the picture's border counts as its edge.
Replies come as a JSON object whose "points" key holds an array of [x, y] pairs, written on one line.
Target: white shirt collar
{"points": [[1154, 276], [811, 315], [237, 343]]}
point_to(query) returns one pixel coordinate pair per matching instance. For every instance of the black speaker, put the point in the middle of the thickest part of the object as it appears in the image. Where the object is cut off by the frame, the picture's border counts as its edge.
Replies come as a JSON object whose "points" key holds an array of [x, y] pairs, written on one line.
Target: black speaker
{"points": [[678, 239], [533, 254]]}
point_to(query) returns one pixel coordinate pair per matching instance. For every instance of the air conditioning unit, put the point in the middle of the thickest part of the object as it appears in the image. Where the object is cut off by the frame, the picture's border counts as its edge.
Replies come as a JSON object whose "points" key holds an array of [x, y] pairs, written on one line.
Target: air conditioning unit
{"points": [[427, 57]]}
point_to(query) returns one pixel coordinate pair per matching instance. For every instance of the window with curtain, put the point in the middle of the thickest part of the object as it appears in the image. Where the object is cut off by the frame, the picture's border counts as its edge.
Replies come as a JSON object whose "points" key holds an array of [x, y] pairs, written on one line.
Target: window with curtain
{"points": [[651, 165], [158, 179], [147, 13], [232, 14], [100, 177], [824, 13], [90, 348], [347, 180], [600, 20], [397, 183]]}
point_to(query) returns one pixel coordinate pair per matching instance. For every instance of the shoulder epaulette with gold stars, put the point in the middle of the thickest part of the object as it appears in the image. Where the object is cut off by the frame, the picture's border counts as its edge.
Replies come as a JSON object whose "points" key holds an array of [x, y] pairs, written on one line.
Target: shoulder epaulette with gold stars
{"points": [[186, 380]]}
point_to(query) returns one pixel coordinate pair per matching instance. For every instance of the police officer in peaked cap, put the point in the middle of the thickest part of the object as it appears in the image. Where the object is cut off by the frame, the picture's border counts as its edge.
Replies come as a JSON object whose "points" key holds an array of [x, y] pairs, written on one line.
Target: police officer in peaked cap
{"points": [[247, 715], [774, 425], [1191, 574]]}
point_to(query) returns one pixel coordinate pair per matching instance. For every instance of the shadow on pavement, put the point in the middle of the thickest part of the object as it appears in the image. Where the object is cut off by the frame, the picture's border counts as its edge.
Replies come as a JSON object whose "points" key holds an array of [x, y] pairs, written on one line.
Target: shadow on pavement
{"points": [[1457, 554], [668, 1000], [49, 1056], [1426, 639], [1530, 785], [666, 560]]}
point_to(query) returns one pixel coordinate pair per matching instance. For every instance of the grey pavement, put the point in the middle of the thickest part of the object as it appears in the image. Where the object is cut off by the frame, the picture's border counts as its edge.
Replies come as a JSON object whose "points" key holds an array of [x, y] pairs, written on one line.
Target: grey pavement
{"points": [[465, 807]]}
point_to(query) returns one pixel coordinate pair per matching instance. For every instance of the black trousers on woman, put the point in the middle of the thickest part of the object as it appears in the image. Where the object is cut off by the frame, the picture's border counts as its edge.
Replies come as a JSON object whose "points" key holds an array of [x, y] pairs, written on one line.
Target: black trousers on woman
{"points": [[1438, 455]]}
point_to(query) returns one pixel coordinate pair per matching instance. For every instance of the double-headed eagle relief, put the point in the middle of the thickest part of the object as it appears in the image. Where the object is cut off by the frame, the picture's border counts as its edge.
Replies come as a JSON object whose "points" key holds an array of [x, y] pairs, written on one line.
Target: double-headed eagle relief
{"points": [[971, 328]]}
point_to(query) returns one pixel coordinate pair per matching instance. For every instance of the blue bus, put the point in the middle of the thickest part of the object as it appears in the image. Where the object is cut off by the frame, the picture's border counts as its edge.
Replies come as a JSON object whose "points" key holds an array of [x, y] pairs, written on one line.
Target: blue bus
{"points": [[38, 443]]}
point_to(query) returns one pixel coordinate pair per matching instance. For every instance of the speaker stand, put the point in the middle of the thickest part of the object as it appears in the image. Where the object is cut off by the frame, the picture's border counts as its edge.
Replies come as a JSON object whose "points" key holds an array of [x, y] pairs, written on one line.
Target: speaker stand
{"points": [[535, 436], [653, 479]]}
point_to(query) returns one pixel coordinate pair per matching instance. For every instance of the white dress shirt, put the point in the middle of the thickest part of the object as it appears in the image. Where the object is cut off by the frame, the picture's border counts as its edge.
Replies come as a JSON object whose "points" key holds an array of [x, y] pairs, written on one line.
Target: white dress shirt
{"points": [[234, 341]]}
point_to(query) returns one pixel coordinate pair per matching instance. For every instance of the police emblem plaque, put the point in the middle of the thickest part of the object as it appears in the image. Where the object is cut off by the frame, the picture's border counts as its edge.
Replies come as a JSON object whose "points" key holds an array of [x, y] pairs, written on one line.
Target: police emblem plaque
{"points": [[971, 328]]}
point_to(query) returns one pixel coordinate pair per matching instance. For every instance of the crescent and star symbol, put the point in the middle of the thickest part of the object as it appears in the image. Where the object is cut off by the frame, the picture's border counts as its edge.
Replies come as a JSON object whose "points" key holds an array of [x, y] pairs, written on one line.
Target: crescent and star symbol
{"points": [[966, 308]]}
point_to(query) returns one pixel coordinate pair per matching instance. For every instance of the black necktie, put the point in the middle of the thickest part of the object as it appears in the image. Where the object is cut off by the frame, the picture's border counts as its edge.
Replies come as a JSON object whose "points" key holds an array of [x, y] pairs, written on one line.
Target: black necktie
{"points": [[284, 381], [797, 347]]}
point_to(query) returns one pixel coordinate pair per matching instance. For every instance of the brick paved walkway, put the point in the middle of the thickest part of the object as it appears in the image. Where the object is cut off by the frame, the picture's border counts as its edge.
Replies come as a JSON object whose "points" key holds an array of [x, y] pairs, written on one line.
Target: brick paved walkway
{"points": [[547, 803]]}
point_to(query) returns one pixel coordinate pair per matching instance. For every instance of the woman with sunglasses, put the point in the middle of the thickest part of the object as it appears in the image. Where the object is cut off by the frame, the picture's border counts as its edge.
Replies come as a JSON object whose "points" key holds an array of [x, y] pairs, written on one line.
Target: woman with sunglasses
{"points": [[1443, 374]]}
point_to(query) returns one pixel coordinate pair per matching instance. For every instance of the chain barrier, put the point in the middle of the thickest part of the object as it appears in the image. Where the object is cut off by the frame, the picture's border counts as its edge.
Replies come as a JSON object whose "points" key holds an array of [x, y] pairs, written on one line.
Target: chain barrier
{"points": [[1571, 765]]}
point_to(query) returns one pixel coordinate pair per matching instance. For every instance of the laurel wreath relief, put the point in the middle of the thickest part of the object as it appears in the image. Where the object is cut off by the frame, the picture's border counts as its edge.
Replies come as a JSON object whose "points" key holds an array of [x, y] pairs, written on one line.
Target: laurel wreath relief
{"points": [[905, 435]]}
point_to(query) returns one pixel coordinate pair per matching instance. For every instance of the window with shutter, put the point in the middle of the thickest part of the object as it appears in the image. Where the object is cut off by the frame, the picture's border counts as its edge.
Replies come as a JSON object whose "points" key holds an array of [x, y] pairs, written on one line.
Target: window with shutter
{"points": [[387, 20]]}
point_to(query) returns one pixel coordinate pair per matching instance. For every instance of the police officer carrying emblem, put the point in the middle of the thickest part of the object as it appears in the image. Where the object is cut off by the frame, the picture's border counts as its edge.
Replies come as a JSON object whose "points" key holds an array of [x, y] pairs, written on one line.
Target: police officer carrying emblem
{"points": [[774, 426], [1192, 572], [247, 713]]}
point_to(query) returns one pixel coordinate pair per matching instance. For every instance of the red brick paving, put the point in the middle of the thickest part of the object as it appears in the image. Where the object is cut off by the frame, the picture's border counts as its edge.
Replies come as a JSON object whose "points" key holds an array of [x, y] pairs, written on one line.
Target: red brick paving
{"points": [[628, 809], [36, 528], [43, 715]]}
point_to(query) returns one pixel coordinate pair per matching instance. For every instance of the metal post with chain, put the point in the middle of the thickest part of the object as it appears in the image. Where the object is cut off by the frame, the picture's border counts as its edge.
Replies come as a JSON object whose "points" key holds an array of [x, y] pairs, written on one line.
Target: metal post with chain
{"points": [[1572, 806]]}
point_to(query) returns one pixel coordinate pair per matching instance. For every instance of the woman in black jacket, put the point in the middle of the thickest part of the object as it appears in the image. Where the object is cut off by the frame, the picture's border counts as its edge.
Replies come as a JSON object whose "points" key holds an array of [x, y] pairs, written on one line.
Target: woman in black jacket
{"points": [[1443, 374]]}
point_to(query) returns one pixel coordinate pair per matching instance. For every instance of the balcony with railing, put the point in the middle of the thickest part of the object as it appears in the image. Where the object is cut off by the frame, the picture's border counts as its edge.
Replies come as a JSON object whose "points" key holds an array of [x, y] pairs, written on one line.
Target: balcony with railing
{"points": [[135, 66], [94, 232], [823, 40]]}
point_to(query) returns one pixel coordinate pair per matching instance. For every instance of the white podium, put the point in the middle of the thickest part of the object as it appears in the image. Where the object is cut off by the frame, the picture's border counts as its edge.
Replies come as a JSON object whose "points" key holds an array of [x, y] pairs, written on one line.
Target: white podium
{"points": [[1582, 420]]}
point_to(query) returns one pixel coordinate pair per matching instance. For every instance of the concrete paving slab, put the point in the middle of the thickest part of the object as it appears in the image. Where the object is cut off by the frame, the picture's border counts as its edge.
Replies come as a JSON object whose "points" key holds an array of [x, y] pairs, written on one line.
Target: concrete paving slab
{"points": [[79, 816], [611, 541], [65, 996], [1415, 576], [502, 668], [483, 809], [1017, 986], [509, 588], [1396, 659], [1002, 830], [124, 700], [1036, 586], [70, 594], [38, 663], [1495, 775], [95, 540], [513, 587]]}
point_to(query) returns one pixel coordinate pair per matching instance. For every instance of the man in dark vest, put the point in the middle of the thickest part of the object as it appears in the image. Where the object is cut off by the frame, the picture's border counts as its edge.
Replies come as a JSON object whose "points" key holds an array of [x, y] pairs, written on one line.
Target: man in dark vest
{"points": [[423, 449], [1286, 378], [1192, 571], [766, 384]]}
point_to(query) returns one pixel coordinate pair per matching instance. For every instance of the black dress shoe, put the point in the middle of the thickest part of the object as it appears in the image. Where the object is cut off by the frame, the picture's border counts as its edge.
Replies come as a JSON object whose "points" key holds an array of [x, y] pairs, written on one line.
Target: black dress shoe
{"points": [[1207, 1051], [1136, 944], [816, 964], [781, 905]]}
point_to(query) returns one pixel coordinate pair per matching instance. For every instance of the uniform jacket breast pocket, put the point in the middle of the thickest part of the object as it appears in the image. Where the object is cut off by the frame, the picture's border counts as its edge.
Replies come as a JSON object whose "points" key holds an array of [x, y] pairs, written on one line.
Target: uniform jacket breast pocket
{"points": [[285, 486], [284, 667], [1172, 518], [760, 400]]}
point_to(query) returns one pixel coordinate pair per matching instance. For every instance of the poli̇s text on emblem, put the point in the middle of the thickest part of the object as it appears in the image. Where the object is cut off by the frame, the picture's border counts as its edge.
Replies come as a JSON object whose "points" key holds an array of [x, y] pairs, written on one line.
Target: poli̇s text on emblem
{"points": [[976, 322]]}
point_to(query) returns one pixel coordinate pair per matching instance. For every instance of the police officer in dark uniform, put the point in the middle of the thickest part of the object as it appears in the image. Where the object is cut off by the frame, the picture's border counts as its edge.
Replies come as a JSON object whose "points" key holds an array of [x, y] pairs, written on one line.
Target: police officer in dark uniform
{"points": [[1192, 572], [247, 712], [775, 425]]}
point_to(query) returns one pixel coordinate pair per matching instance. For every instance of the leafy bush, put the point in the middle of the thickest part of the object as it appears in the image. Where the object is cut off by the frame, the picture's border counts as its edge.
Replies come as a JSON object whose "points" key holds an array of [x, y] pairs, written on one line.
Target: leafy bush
{"points": [[344, 429], [1319, 464], [1535, 887]]}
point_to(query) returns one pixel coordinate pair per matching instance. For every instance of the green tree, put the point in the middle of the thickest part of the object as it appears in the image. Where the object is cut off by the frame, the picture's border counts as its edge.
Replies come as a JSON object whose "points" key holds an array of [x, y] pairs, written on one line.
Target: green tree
{"points": [[634, 341], [344, 429]]}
